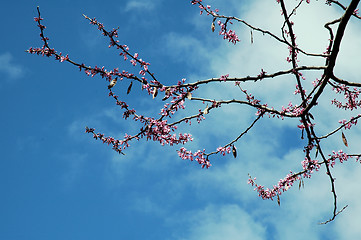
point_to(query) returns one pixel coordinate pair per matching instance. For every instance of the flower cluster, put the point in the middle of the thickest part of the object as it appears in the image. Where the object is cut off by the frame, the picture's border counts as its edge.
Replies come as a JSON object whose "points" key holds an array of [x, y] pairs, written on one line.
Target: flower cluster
{"points": [[200, 117], [350, 95], [298, 91], [229, 35], [293, 53], [153, 129], [44, 50], [340, 155], [199, 156], [160, 131], [294, 110], [118, 145], [303, 125], [348, 124], [178, 94], [282, 186], [196, 1], [207, 8], [224, 77], [224, 150], [170, 108], [309, 166]]}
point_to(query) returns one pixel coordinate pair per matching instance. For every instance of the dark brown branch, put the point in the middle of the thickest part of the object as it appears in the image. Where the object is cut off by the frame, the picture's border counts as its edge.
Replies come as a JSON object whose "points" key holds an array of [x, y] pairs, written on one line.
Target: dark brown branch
{"points": [[343, 7], [254, 78], [347, 83], [334, 52]]}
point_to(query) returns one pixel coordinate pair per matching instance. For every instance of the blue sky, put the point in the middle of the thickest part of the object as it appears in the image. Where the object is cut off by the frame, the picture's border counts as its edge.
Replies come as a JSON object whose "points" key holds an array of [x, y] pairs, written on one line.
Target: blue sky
{"points": [[58, 183]]}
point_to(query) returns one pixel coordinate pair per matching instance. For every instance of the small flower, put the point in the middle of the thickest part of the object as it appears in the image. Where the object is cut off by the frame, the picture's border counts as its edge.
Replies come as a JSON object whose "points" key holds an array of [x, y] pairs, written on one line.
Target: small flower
{"points": [[224, 77]]}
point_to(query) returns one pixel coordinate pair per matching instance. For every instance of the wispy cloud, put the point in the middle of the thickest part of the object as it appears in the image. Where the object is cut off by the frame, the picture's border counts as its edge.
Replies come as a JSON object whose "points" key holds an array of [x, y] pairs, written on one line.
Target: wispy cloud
{"points": [[11, 69], [135, 5], [222, 222]]}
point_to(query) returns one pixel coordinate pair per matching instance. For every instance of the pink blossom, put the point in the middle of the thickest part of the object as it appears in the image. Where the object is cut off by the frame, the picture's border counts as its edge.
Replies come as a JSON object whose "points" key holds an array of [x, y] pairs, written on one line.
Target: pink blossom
{"points": [[340, 155], [224, 77]]}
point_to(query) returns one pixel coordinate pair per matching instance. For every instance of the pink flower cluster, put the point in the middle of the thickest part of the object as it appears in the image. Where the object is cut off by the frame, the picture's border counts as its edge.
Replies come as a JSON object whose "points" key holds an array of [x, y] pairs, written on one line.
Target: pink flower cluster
{"points": [[160, 131], [229, 35], [298, 91], [196, 1], [204, 8], [200, 117], [309, 166], [340, 155], [199, 156], [224, 150], [170, 108], [292, 53], [351, 97], [282, 186], [153, 130], [156, 129], [118, 145], [224, 77], [178, 94], [45, 50], [348, 124], [303, 125], [294, 110]]}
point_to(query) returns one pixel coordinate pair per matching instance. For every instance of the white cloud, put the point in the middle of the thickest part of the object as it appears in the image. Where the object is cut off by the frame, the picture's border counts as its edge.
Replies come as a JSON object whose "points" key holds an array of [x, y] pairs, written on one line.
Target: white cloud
{"points": [[187, 49], [300, 209], [216, 222], [347, 184], [7, 66], [134, 5]]}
